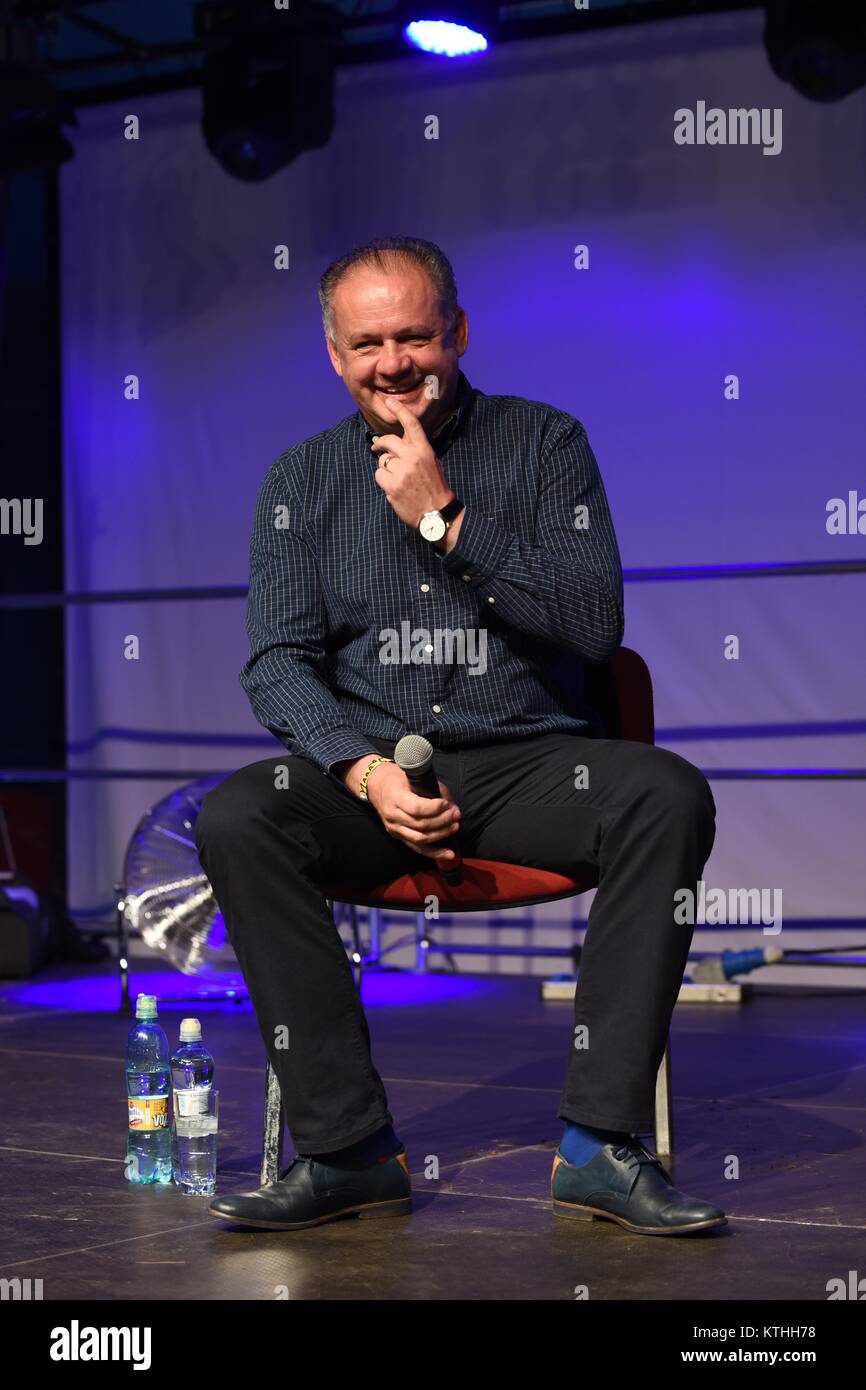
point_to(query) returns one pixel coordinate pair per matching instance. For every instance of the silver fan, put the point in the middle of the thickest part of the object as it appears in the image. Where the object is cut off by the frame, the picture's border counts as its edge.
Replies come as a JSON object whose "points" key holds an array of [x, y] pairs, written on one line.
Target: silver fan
{"points": [[168, 898]]}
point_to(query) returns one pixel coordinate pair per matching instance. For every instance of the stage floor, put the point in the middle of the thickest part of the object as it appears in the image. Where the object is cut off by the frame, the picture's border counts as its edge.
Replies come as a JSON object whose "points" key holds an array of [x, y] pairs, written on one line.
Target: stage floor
{"points": [[473, 1068]]}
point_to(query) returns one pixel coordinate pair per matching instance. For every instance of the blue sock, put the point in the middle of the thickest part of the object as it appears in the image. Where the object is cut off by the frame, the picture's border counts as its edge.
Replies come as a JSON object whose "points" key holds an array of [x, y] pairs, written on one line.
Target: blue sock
{"points": [[376, 1148], [580, 1143]]}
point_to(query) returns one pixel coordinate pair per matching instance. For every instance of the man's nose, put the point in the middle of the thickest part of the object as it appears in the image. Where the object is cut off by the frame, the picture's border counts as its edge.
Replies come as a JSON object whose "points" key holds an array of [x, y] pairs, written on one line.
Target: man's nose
{"points": [[394, 360]]}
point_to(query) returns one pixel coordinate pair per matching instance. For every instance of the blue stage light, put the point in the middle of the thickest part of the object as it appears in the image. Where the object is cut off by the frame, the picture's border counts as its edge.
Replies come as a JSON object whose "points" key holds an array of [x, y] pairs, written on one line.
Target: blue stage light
{"points": [[444, 37]]}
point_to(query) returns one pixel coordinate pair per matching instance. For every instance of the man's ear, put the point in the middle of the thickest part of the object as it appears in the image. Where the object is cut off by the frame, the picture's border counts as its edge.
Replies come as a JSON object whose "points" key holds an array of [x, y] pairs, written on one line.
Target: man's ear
{"points": [[334, 356], [461, 331]]}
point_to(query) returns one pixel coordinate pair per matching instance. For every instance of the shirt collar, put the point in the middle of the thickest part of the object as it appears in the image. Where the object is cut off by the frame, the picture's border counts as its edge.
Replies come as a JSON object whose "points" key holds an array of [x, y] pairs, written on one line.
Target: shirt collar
{"points": [[443, 435]]}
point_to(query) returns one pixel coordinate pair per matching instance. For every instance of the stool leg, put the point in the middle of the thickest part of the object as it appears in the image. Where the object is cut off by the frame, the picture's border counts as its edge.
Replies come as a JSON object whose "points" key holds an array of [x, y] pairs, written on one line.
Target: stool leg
{"points": [[421, 956], [374, 920], [122, 947], [357, 950], [664, 1116], [272, 1139], [353, 923]]}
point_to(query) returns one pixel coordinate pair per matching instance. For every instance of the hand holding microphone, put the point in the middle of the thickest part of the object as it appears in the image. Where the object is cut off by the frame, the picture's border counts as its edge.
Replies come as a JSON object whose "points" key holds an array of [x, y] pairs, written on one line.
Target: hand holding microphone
{"points": [[416, 808], [414, 754]]}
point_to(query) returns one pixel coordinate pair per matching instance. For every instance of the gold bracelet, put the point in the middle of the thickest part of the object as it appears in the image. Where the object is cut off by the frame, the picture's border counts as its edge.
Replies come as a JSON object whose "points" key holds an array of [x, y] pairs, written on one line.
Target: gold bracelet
{"points": [[375, 763]]}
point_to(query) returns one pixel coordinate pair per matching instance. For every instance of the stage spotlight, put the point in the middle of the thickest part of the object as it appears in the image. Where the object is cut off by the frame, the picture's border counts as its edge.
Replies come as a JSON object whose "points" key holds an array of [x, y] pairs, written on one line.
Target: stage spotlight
{"points": [[452, 29], [819, 49], [267, 83], [32, 114], [444, 37]]}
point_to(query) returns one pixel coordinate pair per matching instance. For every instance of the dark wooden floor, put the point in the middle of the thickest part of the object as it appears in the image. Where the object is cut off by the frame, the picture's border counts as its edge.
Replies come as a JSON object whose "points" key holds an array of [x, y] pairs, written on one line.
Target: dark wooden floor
{"points": [[474, 1078]]}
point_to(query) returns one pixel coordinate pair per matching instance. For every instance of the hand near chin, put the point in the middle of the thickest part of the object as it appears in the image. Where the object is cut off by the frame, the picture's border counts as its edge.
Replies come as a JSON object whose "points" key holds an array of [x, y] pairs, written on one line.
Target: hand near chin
{"points": [[412, 479]]}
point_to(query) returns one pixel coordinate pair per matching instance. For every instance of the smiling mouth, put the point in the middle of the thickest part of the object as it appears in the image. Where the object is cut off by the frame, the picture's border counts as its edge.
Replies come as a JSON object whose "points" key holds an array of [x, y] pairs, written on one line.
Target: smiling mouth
{"points": [[400, 391]]}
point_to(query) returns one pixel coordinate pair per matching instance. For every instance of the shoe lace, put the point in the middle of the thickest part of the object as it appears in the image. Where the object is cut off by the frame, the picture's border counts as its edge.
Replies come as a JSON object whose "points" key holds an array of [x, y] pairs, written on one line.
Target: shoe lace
{"points": [[633, 1150]]}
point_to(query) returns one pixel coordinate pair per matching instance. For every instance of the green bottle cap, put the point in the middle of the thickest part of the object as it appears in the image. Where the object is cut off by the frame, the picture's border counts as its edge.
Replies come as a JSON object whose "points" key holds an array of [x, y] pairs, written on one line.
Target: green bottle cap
{"points": [[145, 1006]]}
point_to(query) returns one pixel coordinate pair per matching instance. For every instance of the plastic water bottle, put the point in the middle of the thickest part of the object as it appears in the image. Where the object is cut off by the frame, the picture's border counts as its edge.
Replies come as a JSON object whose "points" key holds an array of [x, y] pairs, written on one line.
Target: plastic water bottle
{"points": [[194, 1153], [148, 1086]]}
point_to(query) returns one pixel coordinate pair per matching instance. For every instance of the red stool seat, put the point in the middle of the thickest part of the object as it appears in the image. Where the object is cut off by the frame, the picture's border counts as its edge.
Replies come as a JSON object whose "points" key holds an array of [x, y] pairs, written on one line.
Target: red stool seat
{"points": [[487, 883]]}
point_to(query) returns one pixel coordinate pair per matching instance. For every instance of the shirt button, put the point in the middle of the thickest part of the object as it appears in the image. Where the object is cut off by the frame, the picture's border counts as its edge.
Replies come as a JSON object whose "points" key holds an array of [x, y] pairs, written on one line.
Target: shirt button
{"points": [[437, 709], [425, 588], [429, 647], [466, 576], [490, 598]]}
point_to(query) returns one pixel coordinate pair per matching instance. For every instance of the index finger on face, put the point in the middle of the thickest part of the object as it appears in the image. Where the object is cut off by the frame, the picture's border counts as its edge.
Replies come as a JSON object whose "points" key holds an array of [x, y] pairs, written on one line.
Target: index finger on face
{"points": [[411, 424]]}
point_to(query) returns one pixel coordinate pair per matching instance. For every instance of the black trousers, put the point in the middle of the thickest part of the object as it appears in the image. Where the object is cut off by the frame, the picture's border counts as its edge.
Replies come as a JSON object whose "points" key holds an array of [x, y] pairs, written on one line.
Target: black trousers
{"points": [[645, 820]]}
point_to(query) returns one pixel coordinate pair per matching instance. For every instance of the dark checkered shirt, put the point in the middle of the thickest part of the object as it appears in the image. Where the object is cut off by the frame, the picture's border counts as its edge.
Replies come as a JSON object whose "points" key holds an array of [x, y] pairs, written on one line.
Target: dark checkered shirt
{"points": [[359, 627]]}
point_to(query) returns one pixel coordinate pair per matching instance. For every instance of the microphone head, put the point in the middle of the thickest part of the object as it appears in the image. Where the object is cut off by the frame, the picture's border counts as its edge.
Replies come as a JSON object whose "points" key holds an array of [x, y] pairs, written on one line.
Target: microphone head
{"points": [[414, 754]]}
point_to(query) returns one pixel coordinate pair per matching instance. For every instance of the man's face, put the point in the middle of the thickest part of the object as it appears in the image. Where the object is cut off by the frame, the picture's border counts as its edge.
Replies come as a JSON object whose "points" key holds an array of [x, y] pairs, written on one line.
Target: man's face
{"points": [[390, 332]]}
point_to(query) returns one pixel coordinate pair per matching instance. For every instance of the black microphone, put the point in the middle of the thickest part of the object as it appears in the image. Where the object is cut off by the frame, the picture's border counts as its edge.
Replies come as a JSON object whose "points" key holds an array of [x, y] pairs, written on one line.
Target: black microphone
{"points": [[414, 754]]}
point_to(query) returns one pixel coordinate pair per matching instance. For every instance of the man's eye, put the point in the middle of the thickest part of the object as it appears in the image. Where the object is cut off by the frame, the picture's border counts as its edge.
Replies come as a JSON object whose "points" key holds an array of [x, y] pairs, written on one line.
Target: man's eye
{"points": [[362, 347]]}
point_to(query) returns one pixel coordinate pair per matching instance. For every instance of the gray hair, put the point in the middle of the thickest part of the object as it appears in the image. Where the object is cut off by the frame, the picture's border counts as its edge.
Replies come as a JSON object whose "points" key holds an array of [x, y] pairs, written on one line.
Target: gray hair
{"points": [[381, 253]]}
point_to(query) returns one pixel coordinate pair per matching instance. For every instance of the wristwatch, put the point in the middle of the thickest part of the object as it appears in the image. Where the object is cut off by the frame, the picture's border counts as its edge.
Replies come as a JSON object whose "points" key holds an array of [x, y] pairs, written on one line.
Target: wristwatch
{"points": [[433, 525]]}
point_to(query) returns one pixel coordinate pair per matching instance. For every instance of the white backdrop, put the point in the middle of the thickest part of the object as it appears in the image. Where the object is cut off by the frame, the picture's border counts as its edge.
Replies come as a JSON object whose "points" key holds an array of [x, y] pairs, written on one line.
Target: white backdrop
{"points": [[704, 261]]}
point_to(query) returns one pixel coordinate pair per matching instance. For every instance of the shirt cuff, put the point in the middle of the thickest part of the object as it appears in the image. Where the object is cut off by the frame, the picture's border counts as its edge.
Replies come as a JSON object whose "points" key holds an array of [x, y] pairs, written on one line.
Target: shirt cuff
{"points": [[480, 548], [338, 746]]}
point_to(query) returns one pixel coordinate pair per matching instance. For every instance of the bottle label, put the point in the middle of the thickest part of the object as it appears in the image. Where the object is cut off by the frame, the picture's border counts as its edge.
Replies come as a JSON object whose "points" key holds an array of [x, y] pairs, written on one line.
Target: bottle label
{"points": [[193, 1101], [148, 1112]]}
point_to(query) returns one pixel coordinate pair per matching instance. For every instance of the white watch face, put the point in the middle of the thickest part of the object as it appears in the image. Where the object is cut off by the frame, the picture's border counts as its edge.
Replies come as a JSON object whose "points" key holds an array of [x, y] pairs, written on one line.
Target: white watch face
{"points": [[431, 526]]}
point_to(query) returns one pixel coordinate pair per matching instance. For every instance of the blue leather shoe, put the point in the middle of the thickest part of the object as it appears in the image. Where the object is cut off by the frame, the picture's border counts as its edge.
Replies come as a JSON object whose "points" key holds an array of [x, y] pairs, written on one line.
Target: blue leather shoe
{"points": [[310, 1193], [627, 1184]]}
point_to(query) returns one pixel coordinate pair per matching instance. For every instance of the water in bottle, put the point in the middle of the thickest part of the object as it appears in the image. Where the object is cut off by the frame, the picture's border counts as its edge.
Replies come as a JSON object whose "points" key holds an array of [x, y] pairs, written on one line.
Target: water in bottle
{"points": [[195, 1117], [148, 1086]]}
